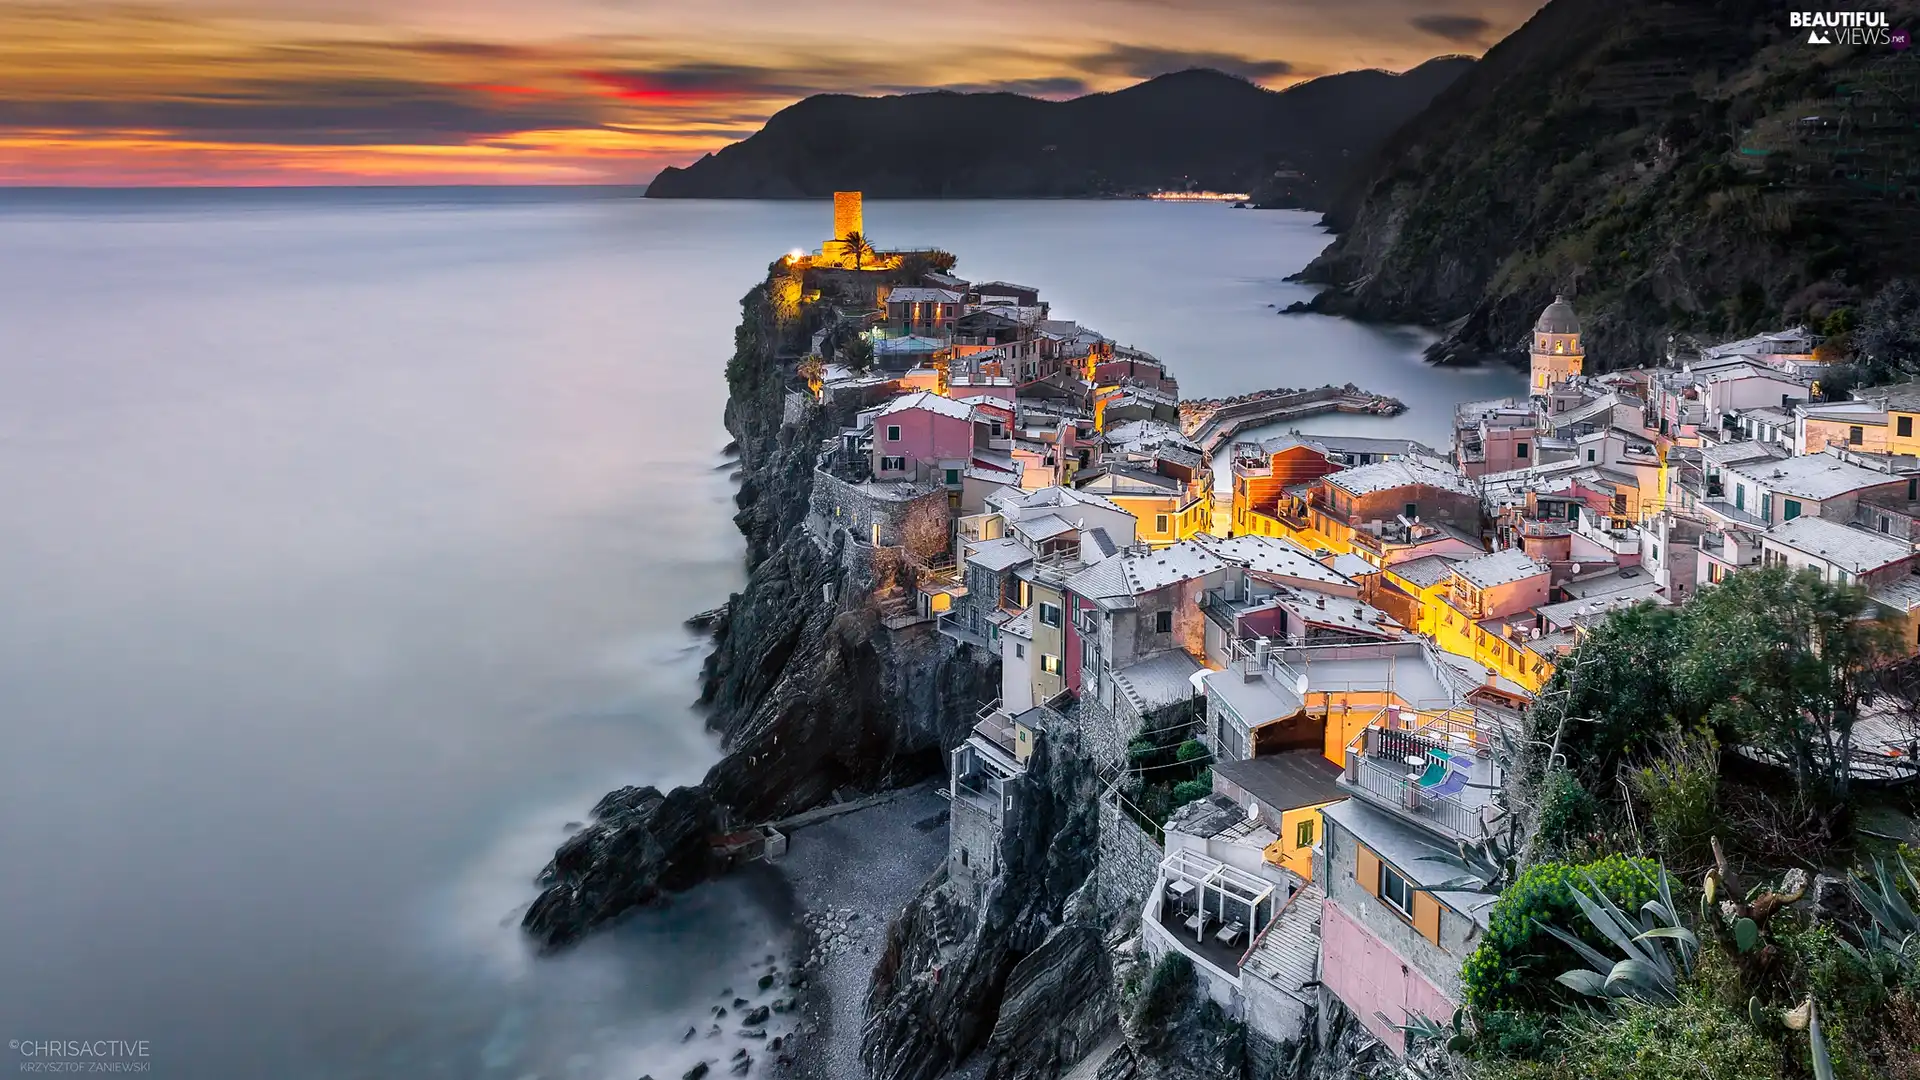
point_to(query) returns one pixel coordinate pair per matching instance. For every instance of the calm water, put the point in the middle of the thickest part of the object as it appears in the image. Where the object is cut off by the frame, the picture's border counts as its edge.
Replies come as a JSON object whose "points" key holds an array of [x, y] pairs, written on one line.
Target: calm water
{"points": [[346, 542]]}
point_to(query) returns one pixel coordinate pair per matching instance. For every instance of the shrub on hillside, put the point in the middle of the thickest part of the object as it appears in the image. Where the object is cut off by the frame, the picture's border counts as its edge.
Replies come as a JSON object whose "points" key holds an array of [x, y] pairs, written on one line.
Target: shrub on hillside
{"points": [[1567, 811], [1688, 1041], [1517, 962], [1682, 790]]}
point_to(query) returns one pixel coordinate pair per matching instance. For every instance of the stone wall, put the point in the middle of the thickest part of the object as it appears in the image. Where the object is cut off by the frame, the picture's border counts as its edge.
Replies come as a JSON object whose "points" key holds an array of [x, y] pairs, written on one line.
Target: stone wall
{"points": [[837, 504], [1129, 866]]}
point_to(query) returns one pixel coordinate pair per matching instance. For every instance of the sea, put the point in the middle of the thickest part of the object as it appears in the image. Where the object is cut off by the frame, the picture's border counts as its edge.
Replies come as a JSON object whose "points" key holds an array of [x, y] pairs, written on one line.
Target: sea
{"points": [[346, 539]]}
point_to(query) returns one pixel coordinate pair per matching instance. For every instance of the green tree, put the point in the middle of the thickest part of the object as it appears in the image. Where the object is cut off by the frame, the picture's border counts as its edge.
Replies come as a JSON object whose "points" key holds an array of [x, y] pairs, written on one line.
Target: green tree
{"points": [[857, 352], [1612, 698], [858, 248], [1886, 344], [1783, 661]]}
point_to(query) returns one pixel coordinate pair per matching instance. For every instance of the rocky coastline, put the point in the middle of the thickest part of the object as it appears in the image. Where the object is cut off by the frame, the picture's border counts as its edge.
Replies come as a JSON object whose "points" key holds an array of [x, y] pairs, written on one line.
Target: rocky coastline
{"points": [[812, 695], [1035, 974]]}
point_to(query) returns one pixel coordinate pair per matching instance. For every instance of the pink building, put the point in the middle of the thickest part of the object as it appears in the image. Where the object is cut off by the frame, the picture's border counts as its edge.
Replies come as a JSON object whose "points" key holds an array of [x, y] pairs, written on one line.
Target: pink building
{"points": [[919, 433]]}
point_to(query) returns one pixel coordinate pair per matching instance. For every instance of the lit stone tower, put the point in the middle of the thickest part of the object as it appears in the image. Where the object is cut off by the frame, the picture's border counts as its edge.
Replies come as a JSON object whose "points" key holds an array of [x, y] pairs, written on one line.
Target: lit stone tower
{"points": [[846, 222], [1557, 355], [846, 215]]}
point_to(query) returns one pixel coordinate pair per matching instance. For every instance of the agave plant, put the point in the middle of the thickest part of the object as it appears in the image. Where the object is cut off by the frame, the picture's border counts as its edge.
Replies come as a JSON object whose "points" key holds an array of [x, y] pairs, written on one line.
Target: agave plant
{"points": [[1894, 929], [1659, 949], [1489, 864]]}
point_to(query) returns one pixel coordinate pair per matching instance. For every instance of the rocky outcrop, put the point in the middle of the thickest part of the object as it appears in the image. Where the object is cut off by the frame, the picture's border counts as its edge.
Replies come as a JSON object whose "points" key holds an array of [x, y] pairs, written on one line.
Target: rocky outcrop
{"points": [[813, 696], [1674, 167], [639, 844], [956, 978]]}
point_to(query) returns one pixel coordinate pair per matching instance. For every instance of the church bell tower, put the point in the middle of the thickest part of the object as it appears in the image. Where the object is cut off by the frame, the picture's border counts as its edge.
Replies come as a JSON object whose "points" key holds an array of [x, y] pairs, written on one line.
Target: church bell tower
{"points": [[1557, 355]]}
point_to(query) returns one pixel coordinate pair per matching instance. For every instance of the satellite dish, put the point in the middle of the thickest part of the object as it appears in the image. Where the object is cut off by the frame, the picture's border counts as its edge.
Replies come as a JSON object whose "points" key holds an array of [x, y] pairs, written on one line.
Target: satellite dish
{"points": [[1300, 685], [1253, 810], [1576, 569]]}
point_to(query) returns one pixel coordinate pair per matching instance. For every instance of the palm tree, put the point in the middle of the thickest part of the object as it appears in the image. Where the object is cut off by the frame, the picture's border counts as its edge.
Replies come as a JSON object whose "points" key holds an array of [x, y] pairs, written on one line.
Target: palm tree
{"points": [[857, 248]]}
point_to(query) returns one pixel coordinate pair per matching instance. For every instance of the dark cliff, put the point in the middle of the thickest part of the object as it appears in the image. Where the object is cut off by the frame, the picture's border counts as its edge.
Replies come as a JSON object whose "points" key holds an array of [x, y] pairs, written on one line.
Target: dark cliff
{"points": [[1023, 975], [1194, 128], [1677, 167], [811, 693]]}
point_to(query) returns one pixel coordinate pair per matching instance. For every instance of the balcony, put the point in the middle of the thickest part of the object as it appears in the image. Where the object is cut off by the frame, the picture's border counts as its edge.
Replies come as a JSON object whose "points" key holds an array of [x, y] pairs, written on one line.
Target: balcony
{"points": [[1440, 775]]}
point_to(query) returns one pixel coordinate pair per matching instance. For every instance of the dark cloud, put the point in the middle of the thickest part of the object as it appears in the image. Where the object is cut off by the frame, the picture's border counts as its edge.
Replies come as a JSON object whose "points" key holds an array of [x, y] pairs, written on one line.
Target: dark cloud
{"points": [[1146, 61], [1460, 29], [294, 112], [671, 81]]}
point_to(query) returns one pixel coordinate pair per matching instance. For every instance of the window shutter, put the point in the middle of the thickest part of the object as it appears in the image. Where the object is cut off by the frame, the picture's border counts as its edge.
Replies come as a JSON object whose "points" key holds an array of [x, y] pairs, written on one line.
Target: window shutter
{"points": [[1367, 870], [1426, 916]]}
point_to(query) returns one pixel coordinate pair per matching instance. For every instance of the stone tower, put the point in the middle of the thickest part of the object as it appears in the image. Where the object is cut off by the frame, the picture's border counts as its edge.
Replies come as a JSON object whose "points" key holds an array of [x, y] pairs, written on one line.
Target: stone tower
{"points": [[846, 215], [1557, 355]]}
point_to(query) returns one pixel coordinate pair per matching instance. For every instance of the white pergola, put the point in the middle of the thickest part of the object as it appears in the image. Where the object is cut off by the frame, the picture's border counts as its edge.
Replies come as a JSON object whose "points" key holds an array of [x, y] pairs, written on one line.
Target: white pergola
{"points": [[1231, 884]]}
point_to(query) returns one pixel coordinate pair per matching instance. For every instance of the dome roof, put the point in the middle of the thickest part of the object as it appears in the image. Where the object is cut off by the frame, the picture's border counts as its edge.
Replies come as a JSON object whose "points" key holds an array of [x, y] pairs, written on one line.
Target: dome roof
{"points": [[1558, 318]]}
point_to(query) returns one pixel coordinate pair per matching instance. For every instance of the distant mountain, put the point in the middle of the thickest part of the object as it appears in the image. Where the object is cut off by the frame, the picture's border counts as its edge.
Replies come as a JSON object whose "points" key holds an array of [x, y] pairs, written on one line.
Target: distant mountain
{"points": [[1676, 167], [1194, 129]]}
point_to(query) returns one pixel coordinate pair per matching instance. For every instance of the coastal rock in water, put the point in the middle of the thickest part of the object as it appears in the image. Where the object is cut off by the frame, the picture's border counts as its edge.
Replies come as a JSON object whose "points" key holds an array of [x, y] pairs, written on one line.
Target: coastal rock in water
{"points": [[640, 844]]}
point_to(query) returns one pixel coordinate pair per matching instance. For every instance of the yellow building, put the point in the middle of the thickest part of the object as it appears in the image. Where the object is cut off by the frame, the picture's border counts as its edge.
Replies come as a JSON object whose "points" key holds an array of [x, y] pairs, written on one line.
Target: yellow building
{"points": [[1169, 508], [1557, 355], [1861, 426]]}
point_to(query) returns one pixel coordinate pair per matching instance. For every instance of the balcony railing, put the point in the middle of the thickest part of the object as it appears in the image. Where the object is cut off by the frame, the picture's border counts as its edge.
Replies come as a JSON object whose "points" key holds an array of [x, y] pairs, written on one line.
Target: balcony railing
{"points": [[1392, 787]]}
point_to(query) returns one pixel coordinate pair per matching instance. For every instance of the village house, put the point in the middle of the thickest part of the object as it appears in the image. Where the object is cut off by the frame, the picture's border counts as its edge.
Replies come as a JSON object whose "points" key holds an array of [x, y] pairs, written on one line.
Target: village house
{"points": [[923, 312], [1763, 492], [1485, 613]]}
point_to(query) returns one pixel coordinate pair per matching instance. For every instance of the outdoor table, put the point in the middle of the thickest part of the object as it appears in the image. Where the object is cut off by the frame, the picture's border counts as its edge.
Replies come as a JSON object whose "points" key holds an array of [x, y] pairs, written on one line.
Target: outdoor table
{"points": [[1416, 760], [1180, 890]]}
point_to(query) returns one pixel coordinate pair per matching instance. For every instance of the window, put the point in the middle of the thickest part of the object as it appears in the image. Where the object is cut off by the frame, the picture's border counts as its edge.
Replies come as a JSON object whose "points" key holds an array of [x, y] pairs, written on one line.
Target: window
{"points": [[893, 464], [1050, 663], [893, 432], [1913, 490], [1855, 436], [1303, 834], [1049, 614], [1163, 622], [1019, 651], [953, 476], [1411, 510], [1903, 426], [1396, 891], [1520, 450], [1589, 455], [1086, 653], [1656, 554], [1789, 509], [1886, 524], [1159, 523]]}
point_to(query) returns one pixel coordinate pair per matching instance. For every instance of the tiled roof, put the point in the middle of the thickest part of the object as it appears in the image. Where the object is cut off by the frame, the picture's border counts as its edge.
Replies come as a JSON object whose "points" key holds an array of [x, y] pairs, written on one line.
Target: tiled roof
{"points": [[1811, 476], [1158, 569], [931, 402], [1399, 472], [1001, 554], [1499, 568], [1852, 549], [1424, 572], [923, 296], [1272, 555]]}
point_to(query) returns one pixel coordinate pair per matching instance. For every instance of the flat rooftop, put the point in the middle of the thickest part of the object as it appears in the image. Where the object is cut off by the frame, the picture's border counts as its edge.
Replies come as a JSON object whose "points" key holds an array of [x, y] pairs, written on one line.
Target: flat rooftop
{"points": [[1285, 781]]}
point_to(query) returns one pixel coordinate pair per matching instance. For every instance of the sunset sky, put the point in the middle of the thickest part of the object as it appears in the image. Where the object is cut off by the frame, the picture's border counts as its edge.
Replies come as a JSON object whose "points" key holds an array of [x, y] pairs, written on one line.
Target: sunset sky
{"points": [[596, 91]]}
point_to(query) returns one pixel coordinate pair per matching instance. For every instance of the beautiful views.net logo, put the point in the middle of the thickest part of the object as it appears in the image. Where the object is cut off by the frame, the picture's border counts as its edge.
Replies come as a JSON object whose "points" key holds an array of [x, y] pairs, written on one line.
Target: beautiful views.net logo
{"points": [[1847, 28]]}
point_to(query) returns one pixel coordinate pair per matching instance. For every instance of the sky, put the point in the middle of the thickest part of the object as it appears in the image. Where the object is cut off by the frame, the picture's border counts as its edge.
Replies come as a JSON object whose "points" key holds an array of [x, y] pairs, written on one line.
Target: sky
{"points": [[295, 92]]}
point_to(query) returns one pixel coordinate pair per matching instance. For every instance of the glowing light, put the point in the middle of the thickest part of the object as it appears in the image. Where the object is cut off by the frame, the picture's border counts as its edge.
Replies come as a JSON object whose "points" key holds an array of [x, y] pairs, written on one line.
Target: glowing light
{"points": [[795, 253]]}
